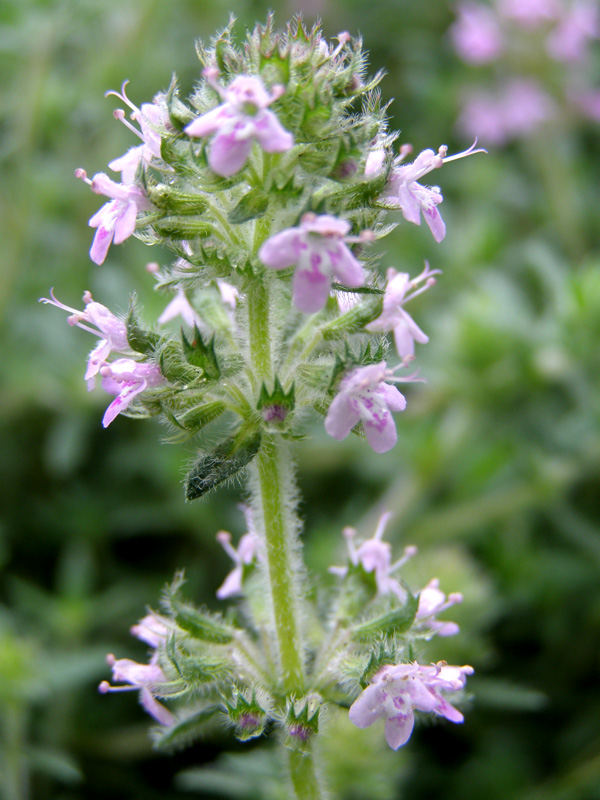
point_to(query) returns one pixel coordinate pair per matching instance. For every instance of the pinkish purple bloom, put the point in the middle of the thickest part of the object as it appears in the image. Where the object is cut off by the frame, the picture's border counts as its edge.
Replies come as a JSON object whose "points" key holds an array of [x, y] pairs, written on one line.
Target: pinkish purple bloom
{"points": [[318, 250], [237, 122], [398, 291], [144, 677], [374, 555], [150, 118], [364, 396], [476, 34], [242, 557], [412, 198], [180, 306], [432, 601], [111, 330], [396, 692], [518, 110], [575, 29], [587, 103], [529, 13], [127, 378], [115, 221]]}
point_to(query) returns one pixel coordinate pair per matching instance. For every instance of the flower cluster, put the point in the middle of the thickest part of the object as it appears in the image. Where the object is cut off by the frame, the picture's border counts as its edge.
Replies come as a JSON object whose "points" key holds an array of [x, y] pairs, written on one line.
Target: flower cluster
{"points": [[270, 186], [560, 31], [124, 378]]}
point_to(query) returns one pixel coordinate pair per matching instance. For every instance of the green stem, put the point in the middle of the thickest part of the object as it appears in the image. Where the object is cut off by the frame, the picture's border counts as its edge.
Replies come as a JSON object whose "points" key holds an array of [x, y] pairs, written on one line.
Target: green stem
{"points": [[12, 768], [277, 496], [304, 776]]}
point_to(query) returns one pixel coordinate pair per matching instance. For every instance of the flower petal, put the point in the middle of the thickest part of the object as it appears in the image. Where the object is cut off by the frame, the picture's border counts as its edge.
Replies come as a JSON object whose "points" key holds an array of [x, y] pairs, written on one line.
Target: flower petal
{"points": [[345, 266], [342, 416], [228, 154], [398, 729], [381, 431], [283, 249], [368, 706], [271, 135]]}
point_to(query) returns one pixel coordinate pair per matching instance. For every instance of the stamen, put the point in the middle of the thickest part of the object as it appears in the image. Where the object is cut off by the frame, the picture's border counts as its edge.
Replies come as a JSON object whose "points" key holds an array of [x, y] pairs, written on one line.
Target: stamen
{"points": [[81, 173], [224, 539], [471, 151], [383, 520], [122, 96], [119, 114], [349, 534], [343, 38], [409, 552]]}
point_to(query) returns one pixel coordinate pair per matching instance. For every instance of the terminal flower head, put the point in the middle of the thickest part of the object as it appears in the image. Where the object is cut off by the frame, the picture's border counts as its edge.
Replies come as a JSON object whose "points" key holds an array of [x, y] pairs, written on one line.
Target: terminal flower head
{"points": [[242, 118], [396, 692], [318, 249], [398, 291], [365, 396], [115, 221], [374, 555], [127, 378], [96, 319], [412, 198]]}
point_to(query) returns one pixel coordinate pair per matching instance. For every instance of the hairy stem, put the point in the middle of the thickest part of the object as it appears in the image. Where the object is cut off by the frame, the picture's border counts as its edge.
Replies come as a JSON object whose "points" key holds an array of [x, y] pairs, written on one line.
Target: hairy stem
{"points": [[304, 776]]}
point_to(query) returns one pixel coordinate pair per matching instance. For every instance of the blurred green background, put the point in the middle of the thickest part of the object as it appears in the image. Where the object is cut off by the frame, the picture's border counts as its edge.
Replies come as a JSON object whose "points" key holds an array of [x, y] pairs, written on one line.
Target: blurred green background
{"points": [[495, 477]]}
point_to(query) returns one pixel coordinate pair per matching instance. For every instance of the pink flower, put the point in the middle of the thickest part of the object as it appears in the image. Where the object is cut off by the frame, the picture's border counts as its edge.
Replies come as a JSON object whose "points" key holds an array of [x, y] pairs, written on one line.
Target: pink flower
{"points": [[116, 220], [396, 692], [144, 677], [111, 330], [180, 306], [150, 118], [570, 38], [375, 555], [247, 550], [529, 13], [318, 250], [476, 34], [517, 111], [406, 193], [398, 291], [237, 122], [127, 378], [364, 395], [433, 601]]}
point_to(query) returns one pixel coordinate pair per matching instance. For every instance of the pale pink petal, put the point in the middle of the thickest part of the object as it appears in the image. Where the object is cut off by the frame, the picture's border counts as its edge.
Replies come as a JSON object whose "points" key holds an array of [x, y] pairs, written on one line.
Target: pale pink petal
{"points": [[342, 416], [368, 707], [271, 135], [398, 729], [155, 709], [381, 432], [122, 401], [282, 250], [311, 287], [436, 224], [394, 399], [101, 244], [127, 165], [208, 123], [125, 222], [232, 585], [228, 154], [345, 266]]}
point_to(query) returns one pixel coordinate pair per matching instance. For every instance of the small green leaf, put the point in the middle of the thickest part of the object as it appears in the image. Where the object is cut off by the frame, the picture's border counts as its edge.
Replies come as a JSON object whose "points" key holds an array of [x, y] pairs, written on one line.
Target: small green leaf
{"points": [[184, 731], [202, 355], [252, 205], [394, 621], [225, 461], [140, 339]]}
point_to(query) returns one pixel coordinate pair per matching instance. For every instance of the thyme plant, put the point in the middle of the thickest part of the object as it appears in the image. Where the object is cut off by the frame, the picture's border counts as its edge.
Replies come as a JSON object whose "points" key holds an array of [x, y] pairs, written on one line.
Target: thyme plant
{"points": [[271, 185]]}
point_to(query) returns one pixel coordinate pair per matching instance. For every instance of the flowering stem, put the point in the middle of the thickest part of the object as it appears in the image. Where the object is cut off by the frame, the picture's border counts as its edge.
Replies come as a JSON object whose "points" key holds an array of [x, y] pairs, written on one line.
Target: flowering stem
{"points": [[13, 771], [276, 489]]}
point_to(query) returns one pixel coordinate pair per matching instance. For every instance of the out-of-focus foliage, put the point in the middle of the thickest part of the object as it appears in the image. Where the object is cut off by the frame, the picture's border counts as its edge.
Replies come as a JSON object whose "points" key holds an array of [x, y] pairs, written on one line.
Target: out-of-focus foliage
{"points": [[495, 478]]}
